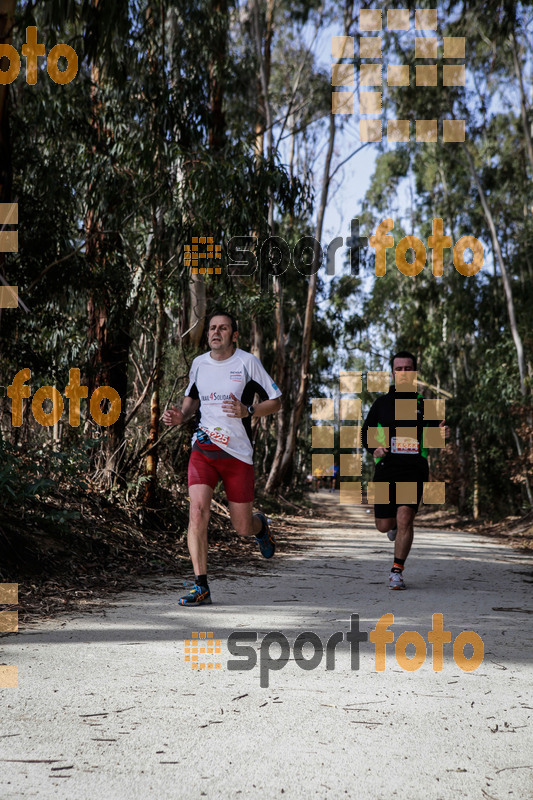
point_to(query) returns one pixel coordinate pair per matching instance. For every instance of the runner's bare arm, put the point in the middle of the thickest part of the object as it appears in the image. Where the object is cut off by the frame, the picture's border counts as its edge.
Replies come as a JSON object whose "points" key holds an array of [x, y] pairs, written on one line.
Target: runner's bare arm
{"points": [[442, 424], [177, 416], [267, 407], [234, 407]]}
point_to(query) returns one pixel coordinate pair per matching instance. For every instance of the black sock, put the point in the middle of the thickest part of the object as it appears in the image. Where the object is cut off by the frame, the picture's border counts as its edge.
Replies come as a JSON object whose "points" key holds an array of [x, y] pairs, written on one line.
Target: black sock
{"points": [[398, 564], [201, 580]]}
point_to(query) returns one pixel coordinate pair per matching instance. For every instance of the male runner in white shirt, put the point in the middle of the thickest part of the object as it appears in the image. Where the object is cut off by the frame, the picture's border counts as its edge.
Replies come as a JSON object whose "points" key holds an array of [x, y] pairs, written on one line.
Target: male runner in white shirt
{"points": [[222, 385]]}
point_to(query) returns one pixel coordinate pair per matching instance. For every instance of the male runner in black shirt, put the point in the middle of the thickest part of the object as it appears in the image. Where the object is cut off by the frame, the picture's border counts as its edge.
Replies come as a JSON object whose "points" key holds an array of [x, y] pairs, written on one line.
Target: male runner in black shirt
{"points": [[400, 456]]}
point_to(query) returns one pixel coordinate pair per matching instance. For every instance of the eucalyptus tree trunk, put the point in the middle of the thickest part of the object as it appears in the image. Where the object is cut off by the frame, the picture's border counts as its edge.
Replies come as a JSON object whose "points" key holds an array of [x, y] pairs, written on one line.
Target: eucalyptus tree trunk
{"points": [[108, 317], [152, 458], [524, 109], [475, 494], [219, 10], [216, 136], [517, 339], [197, 309], [283, 460], [264, 56], [281, 378], [288, 430], [520, 452], [263, 50]]}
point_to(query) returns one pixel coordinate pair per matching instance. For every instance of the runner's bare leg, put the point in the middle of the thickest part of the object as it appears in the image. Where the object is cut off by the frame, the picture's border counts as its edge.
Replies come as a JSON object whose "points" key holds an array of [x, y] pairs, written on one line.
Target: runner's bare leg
{"points": [[405, 517], [199, 512], [385, 525], [242, 520]]}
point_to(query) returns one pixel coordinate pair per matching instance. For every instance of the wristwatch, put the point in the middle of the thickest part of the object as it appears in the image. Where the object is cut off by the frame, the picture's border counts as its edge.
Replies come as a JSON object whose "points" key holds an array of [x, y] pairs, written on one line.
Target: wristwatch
{"points": [[251, 410]]}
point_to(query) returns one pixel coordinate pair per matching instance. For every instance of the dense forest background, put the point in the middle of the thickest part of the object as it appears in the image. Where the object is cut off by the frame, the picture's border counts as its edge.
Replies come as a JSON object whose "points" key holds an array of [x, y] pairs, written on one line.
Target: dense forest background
{"points": [[190, 119]]}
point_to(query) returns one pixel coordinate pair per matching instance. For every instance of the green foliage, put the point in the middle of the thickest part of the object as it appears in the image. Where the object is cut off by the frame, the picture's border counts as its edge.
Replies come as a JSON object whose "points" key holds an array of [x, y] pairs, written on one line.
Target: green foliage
{"points": [[117, 171], [28, 477], [17, 485], [459, 326]]}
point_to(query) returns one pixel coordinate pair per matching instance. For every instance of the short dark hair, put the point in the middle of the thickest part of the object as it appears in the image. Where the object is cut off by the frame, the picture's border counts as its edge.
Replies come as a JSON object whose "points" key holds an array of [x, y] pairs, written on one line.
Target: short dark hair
{"points": [[222, 313], [402, 354]]}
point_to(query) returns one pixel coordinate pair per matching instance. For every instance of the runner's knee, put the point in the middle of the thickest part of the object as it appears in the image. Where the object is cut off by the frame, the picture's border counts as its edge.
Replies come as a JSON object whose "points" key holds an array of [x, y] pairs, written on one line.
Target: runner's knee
{"points": [[199, 511], [405, 515]]}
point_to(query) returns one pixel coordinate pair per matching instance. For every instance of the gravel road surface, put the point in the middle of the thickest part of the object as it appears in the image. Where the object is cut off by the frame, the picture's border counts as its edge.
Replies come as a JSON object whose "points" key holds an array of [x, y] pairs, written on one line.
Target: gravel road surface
{"points": [[108, 706]]}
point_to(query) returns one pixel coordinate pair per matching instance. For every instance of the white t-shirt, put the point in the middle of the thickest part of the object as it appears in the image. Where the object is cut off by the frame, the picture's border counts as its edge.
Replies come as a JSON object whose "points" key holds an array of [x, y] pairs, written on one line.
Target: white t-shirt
{"points": [[212, 382]]}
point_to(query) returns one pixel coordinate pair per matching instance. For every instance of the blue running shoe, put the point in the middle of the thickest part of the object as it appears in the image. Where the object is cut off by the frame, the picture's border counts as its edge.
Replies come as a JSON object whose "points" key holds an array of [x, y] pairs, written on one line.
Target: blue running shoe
{"points": [[266, 542], [198, 596]]}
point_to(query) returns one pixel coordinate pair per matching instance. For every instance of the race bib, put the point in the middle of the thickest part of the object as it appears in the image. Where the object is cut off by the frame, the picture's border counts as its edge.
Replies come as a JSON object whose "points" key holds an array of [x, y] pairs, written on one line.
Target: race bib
{"points": [[217, 435], [405, 445]]}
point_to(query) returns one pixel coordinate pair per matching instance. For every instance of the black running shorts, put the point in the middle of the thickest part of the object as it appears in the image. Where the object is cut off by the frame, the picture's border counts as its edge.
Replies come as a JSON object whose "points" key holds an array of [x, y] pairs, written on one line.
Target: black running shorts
{"points": [[406, 469]]}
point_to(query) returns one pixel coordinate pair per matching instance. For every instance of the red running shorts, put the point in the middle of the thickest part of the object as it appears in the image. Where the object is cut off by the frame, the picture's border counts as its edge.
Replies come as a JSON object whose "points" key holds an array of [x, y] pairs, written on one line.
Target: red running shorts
{"points": [[237, 477]]}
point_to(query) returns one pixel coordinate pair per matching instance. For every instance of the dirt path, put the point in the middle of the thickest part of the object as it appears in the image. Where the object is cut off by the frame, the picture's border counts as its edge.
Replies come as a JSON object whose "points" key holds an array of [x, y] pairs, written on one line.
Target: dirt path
{"points": [[108, 707]]}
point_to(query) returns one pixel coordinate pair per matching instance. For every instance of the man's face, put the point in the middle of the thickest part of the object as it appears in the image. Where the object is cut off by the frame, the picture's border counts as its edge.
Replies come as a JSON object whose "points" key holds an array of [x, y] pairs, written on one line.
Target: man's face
{"points": [[403, 369], [220, 336]]}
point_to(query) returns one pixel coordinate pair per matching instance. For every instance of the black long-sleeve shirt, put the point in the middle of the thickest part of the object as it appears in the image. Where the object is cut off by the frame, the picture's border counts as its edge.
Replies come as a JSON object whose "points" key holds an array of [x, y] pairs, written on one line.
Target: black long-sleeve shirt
{"points": [[382, 415]]}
